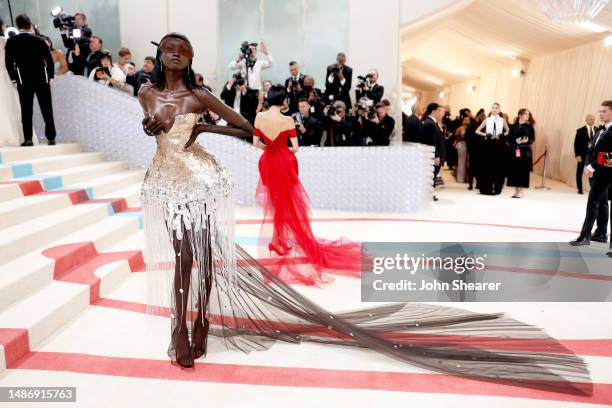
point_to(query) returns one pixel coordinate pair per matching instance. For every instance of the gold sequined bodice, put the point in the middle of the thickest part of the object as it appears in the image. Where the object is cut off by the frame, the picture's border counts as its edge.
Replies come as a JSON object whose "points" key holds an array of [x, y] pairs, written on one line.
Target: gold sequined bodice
{"points": [[180, 175]]}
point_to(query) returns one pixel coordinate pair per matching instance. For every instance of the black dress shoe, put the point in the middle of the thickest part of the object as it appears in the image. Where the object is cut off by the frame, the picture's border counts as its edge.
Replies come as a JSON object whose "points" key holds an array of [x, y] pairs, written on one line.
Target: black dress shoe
{"points": [[609, 253], [435, 198], [51, 142], [599, 238], [580, 242], [27, 143]]}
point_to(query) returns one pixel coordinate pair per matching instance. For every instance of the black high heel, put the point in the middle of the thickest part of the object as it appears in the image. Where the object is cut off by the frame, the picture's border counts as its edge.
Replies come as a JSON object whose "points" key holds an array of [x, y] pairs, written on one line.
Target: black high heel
{"points": [[199, 351], [186, 359]]}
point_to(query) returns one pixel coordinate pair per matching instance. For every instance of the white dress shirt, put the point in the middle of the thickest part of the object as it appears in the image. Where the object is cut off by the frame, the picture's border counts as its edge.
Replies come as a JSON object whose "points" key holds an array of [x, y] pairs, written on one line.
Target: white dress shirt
{"points": [[494, 125], [254, 74]]}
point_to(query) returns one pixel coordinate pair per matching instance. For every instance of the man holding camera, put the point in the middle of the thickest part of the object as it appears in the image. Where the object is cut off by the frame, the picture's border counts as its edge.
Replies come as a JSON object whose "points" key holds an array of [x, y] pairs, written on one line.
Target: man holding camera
{"points": [[314, 96], [30, 65], [76, 36], [236, 94], [307, 126], [362, 124], [249, 65], [339, 79], [384, 125], [368, 86], [294, 85], [336, 125], [143, 75]]}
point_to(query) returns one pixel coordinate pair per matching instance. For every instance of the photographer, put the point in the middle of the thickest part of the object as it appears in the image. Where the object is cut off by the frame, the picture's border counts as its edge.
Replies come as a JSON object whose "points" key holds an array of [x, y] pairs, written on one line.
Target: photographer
{"points": [[249, 65], [76, 36], [294, 85], [384, 125], [143, 75], [339, 79], [314, 96], [308, 127], [368, 87], [336, 126], [110, 74], [363, 127], [236, 95]]}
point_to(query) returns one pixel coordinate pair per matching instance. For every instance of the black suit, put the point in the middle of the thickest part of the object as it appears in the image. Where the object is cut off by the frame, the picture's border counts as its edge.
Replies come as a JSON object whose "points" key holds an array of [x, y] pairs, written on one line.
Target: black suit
{"points": [[602, 178], [375, 93], [294, 95], [581, 148], [76, 63], [29, 63], [412, 128], [248, 102], [431, 134], [312, 136], [382, 135], [339, 91]]}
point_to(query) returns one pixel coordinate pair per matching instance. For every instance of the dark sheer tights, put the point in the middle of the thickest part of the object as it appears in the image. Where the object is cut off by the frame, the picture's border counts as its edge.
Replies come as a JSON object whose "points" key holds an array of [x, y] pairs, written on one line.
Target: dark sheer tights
{"points": [[185, 350]]}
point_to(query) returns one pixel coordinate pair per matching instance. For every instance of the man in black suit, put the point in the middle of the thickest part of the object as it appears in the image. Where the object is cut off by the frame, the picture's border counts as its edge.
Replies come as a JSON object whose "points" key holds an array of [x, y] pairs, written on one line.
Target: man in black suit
{"points": [[431, 134], [412, 125], [370, 88], [308, 126], [29, 64], [338, 81], [237, 95], [582, 141], [384, 126], [295, 86], [600, 169]]}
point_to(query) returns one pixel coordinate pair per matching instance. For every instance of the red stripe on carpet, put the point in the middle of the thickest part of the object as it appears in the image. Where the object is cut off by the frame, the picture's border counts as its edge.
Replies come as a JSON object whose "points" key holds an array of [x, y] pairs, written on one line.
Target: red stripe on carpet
{"points": [[295, 377]]}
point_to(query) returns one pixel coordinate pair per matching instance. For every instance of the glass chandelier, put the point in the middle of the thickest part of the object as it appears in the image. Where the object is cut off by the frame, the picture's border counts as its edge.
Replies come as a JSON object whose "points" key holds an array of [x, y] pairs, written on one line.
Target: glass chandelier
{"points": [[572, 11]]}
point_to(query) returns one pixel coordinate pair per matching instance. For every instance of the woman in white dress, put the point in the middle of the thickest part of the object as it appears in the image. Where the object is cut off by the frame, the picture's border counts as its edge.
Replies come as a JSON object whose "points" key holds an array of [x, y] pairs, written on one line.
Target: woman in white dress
{"points": [[11, 130]]}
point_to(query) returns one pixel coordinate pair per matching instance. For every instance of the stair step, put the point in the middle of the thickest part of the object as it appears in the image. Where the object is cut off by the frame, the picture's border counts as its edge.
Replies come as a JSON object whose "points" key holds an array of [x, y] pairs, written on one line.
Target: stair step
{"points": [[29, 272], [59, 162], [21, 209], [18, 153], [22, 238]]}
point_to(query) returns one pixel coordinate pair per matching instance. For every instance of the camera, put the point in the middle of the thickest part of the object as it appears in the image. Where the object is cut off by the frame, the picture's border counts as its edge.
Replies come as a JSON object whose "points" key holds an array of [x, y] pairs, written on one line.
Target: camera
{"points": [[297, 119], [363, 81], [336, 68], [293, 84], [240, 79], [144, 78], [66, 22], [245, 49], [366, 106], [330, 110]]}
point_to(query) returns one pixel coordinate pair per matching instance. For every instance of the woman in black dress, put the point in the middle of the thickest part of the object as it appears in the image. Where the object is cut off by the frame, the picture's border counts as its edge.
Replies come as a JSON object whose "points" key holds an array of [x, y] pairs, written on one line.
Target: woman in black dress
{"points": [[520, 139], [493, 131]]}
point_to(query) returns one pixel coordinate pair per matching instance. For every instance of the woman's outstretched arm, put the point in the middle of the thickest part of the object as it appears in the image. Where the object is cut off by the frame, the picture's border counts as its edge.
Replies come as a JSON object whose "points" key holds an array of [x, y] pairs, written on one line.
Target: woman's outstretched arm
{"points": [[238, 126]]}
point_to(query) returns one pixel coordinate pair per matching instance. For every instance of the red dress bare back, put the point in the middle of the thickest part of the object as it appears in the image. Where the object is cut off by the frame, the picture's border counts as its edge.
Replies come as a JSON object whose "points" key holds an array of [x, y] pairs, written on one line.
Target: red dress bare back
{"points": [[286, 208]]}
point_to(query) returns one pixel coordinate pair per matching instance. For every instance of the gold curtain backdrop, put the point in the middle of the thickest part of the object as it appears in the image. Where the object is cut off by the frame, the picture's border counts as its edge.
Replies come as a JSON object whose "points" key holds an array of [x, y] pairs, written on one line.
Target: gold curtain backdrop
{"points": [[559, 89]]}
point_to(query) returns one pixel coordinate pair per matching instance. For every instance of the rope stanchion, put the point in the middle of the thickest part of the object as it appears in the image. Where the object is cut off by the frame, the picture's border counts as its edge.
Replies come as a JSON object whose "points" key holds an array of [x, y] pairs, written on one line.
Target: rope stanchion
{"points": [[543, 156]]}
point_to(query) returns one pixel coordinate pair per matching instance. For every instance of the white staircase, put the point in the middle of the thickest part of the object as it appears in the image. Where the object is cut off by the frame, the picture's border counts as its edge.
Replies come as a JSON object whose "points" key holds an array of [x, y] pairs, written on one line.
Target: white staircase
{"points": [[58, 208]]}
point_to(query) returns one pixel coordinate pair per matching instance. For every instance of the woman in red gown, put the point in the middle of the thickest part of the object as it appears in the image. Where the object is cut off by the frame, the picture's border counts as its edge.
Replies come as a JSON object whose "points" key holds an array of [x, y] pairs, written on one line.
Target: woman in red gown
{"points": [[286, 206]]}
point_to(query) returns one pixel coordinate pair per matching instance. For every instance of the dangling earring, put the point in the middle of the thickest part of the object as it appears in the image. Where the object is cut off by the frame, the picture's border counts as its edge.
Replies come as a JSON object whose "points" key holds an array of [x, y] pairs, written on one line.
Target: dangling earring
{"points": [[188, 70], [161, 67]]}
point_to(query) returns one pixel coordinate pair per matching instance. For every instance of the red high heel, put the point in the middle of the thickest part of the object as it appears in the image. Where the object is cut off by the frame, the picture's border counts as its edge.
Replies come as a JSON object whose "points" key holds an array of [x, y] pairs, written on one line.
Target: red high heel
{"points": [[272, 247], [286, 247]]}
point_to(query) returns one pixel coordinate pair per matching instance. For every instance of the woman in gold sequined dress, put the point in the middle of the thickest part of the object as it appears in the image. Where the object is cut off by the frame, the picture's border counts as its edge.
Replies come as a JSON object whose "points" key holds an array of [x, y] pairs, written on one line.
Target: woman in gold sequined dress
{"points": [[208, 285]]}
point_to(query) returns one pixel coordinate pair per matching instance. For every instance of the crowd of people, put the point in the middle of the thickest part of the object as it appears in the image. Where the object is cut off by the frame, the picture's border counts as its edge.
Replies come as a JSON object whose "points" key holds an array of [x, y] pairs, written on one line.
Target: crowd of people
{"points": [[487, 149], [323, 117]]}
